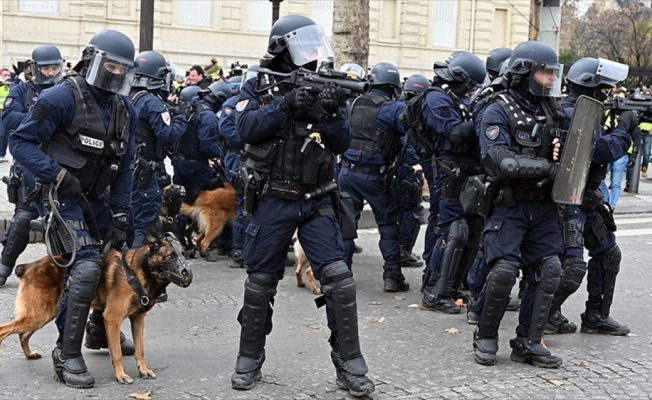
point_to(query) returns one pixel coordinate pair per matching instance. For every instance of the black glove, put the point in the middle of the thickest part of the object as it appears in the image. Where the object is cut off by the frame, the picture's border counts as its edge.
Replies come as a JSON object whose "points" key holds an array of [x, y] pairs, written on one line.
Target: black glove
{"points": [[628, 120], [631, 160], [300, 99], [67, 185], [118, 232], [332, 97]]}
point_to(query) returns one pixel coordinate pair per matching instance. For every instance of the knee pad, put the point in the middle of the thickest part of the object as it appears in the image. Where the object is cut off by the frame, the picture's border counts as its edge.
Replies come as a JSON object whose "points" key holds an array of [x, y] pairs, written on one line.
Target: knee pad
{"points": [[611, 260], [549, 273], [84, 279], [458, 233], [337, 283], [572, 272], [502, 278], [260, 288]]}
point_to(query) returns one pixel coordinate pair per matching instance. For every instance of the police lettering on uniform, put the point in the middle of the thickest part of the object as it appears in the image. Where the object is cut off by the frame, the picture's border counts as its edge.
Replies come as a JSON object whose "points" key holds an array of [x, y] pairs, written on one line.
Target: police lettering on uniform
{"points": [[590, 225], [367, 170], [290, 135], [450, 128], [47, 66], [79, 139], [519, 141], [159, 130]]}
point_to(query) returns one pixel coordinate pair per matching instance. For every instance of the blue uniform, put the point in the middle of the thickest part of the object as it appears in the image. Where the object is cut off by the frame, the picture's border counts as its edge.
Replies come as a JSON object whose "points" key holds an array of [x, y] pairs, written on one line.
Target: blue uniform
{"points": [[154, 119], [361, 176], [408, 200], [229, 131]]}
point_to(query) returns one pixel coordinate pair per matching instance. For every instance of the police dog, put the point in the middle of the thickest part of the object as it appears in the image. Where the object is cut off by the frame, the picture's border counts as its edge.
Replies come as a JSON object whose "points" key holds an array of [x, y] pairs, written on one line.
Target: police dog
{"points": [[171, 200], [155, 266], [212, 210], [302, 261]]}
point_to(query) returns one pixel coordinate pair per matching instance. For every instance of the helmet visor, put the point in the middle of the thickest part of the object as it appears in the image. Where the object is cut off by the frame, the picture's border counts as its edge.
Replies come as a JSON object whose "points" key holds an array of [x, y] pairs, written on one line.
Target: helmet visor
{"points": [[611, 72], [545, 79], [47, 72], [110, 72], [308, 44]]}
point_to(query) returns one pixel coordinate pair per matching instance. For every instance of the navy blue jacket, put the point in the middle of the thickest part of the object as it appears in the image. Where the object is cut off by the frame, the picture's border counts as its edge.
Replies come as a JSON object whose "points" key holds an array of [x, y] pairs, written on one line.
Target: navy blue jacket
{"points": [[228, 125], [55, 110], [257, 121], [16, 109], [441, 114], [207, 125], [153, 113]]}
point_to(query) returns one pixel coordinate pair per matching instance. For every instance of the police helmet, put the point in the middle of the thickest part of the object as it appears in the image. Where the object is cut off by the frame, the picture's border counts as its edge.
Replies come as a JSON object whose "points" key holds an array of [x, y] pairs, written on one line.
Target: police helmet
{"points": [[235, 82], [296, 41], [534, 67], [108, 62], [152, 71], [414, 85], [589, 76], [217, 93], [252, 72], [385, 74], [465, 72], [495, 59], [47, 65], [189, 94], [354, 71]]}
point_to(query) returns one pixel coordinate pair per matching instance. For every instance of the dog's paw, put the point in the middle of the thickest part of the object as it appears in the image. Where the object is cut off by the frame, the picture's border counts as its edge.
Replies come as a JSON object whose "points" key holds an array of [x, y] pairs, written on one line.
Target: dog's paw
{"points": [[33, 355], [316, 291], [124, 378], [147, 374], [301, 284]]}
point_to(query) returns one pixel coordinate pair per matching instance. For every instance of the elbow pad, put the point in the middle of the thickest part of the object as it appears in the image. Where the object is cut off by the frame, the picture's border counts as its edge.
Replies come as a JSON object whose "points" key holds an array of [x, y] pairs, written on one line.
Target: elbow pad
{"points": [[503, 164], [462, 133]]}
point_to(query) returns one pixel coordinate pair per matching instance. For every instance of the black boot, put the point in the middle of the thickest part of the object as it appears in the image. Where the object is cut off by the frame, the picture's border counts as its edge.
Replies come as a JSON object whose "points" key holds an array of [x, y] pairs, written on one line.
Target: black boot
{"points": [[247, 372], [471, 317], [237, 259], [394, 281], [5, 272], [351, 375], [409, 259], [594, 322], [432, 302], [484, 349], [72, 372], [531, 352], [96, 336], [558, 324]]}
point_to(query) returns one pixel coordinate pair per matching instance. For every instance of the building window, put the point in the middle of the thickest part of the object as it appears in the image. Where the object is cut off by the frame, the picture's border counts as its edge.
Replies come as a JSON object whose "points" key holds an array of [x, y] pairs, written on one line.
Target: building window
{"points": [[501, 29], [322, 14], [444, 23], [389, 17], [195, 12], [259, 15], [38, 6]]}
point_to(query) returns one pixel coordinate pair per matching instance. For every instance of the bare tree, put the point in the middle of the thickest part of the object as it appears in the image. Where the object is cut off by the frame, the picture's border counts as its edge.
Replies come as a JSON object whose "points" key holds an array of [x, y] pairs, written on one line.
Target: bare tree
{"points": [[351, 31]]}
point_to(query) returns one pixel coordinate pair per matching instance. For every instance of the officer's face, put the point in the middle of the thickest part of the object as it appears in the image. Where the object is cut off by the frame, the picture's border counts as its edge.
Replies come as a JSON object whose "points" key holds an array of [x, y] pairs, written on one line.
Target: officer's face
{"points": [[114, 68], [194, 78], [546, 78], [50, 70]]}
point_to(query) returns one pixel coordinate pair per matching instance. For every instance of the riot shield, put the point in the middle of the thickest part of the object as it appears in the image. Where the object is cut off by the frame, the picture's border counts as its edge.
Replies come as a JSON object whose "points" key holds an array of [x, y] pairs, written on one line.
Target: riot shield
{"points": [[577, 151]]}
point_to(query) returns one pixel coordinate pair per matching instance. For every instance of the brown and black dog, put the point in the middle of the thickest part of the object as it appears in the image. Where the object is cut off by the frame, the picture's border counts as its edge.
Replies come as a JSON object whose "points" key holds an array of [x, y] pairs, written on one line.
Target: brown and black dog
{"points": [[155, 267], [212, 210]]}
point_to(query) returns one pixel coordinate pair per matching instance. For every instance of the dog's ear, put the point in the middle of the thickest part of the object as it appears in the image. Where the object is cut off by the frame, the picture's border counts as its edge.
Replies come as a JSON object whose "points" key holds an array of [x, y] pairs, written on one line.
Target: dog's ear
{"points": [[154, 240]]}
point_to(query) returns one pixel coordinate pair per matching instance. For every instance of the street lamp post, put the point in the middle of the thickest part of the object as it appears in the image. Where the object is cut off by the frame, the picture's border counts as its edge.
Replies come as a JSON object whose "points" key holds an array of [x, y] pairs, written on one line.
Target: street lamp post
{"points": [[275, 7]]}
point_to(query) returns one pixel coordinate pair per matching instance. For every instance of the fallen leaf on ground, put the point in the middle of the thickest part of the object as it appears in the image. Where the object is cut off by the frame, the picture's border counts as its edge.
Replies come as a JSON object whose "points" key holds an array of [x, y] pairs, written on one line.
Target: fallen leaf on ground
{"points": [[318, 330], [557, 383], [583, 364], [460, 303], [374, 303], [141, 396], [399, 297], [452, 330], [380, 320], [414, 306]]}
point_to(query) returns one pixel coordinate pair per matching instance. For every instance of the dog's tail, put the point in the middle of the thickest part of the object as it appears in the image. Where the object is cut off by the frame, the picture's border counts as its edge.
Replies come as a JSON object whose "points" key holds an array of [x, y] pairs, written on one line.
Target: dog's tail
{"points": [[22, 269], [190, 210]]}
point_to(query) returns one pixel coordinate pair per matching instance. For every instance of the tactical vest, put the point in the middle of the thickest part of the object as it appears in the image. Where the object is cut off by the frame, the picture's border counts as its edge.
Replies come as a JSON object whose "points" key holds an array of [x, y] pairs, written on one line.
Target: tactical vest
{"points": [[295, 155], [462, 149], [86, 148], [150, 149], [367, 136], [32, 94], [189, 146]]}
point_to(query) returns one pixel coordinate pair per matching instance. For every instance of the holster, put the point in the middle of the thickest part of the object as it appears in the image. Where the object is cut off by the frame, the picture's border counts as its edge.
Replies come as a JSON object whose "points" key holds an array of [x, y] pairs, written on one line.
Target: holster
{"points": [[411, 191], [592, 199], [607, 215], [56, 236], [251, 187], [476, 196], [387, 176], [146, 170], [12, 189], [345, 214]]}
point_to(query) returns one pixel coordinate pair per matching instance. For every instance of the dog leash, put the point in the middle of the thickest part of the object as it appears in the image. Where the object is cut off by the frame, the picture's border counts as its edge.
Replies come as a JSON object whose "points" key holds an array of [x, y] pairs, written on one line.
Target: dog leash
{"points": [[133, 281]]}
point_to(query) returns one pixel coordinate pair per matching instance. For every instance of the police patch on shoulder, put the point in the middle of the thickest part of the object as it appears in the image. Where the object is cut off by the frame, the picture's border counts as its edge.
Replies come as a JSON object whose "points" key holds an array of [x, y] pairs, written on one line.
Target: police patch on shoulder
{"points": [[228, 110], [241, 105], [8, 102], [166, 118], [492, 132]]}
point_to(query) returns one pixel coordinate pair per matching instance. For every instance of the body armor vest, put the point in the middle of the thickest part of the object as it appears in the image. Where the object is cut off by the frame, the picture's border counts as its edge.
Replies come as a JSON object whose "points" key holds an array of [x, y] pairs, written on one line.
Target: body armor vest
{"points": [[86, 148], [295, 155], [189, 146], [150, 149], [367, 136]]}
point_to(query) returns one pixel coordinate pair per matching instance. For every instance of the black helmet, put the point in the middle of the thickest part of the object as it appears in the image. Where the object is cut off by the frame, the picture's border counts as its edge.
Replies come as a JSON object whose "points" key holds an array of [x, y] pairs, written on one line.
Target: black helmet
{"points": [[216, 94], [235, 82], [588, 76], [531, 62], [152, 71], [108, 61], [464, 72], [296, 41], [385, 74], [495, 59], [189, 94], [414, 85], [47, 65]]}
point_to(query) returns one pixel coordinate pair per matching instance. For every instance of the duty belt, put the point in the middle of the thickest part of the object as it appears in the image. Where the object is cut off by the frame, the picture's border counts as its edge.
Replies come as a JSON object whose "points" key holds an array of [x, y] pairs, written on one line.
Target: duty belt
{"points": [[376, 171], [284, 190]]}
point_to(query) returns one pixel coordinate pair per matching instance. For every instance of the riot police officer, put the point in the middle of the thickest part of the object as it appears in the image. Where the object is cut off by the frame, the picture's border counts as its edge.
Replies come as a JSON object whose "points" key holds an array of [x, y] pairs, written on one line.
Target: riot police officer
{"points": [[47, 69], [290, 135], [495, 59], [66, 140], [519, 144], [198, 145], [367, 167], [591, 224], [157, 135], [450, 128]]}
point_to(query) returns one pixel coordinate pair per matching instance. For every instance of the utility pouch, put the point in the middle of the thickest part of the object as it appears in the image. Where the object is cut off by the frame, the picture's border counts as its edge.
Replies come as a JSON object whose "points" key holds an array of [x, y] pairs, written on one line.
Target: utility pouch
{"points": [[345, 213]]}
